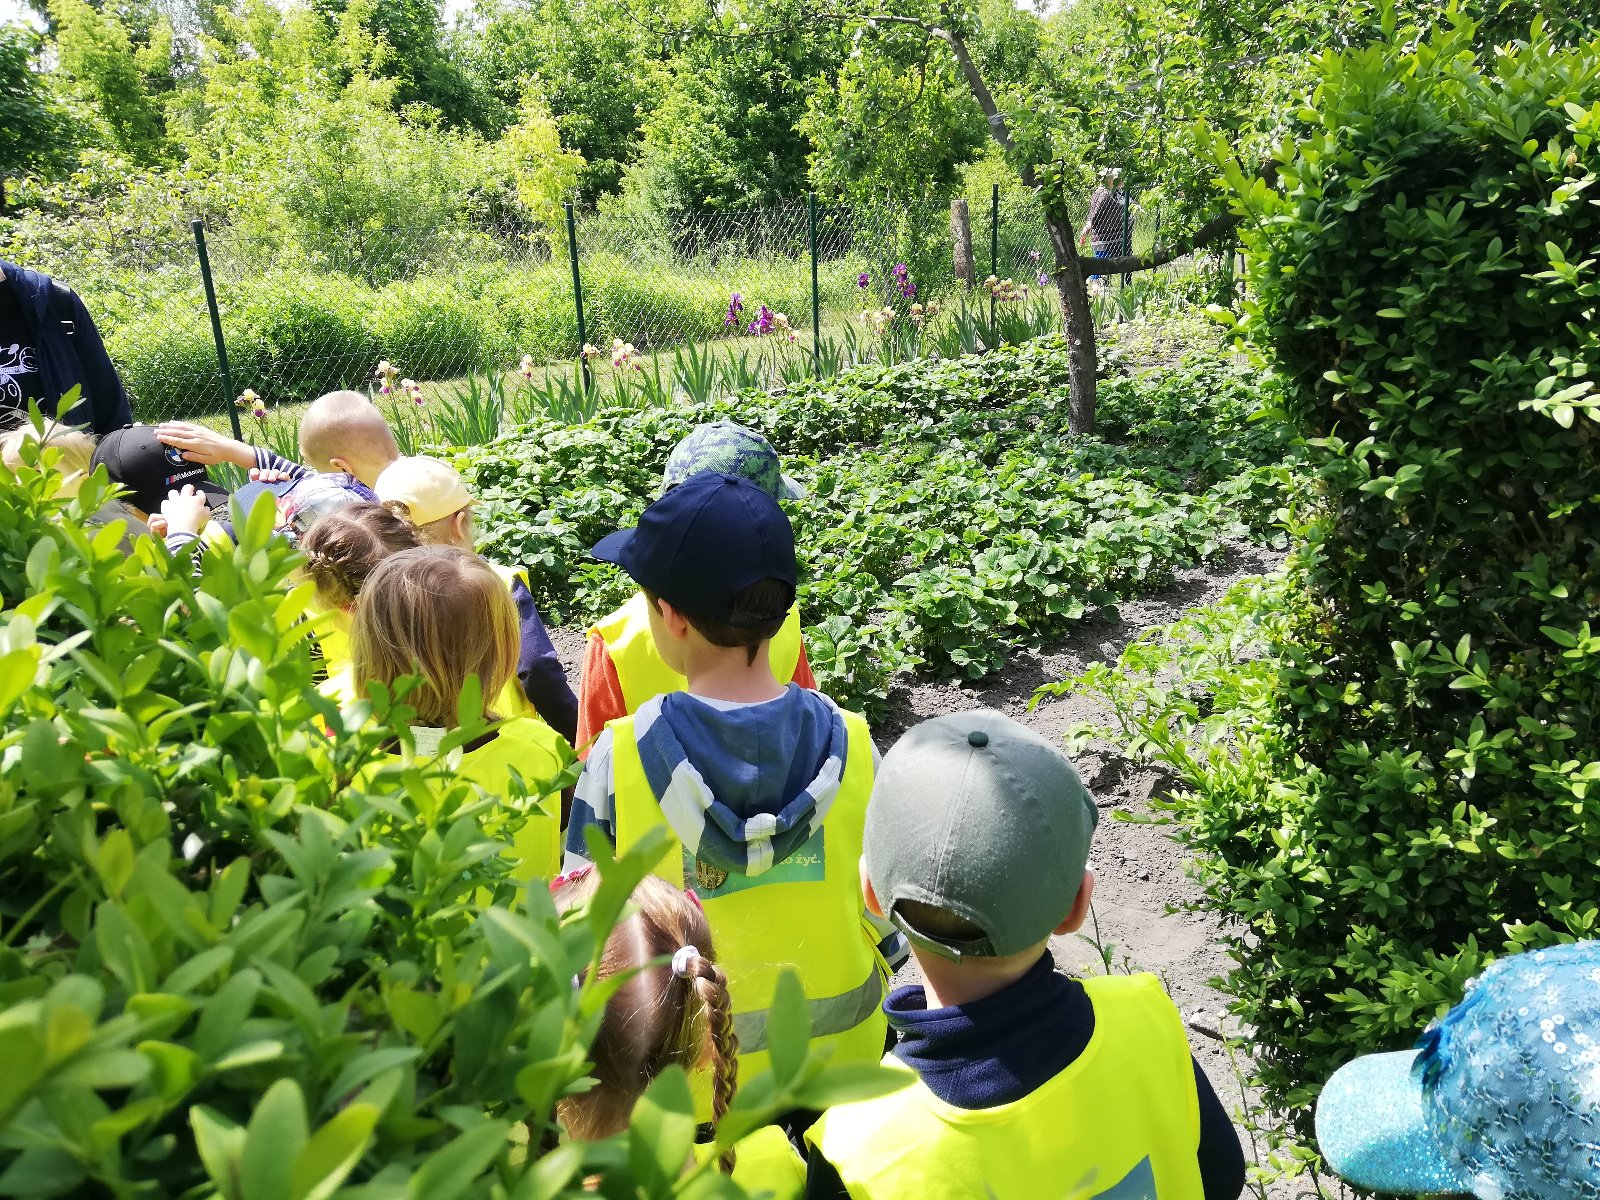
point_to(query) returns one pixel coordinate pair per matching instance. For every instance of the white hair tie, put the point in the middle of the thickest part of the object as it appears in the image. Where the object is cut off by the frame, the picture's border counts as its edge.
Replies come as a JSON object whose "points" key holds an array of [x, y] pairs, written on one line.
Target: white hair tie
{"points": [[683, 959]]}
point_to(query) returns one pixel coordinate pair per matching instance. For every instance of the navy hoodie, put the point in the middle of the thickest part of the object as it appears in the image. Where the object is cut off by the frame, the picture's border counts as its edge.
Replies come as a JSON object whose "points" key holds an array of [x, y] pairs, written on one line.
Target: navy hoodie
{"points": [[41, 359]]}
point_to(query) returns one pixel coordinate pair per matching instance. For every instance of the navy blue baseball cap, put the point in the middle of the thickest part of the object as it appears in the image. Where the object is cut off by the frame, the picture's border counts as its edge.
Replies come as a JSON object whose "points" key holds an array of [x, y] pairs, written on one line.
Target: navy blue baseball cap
{"points": [[704, 542]]}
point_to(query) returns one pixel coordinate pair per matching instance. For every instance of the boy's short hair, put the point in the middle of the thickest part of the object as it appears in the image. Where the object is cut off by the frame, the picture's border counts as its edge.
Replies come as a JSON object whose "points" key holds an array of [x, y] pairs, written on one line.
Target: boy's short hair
{"points": [[344, 424], [977, 836], [750, 621]]}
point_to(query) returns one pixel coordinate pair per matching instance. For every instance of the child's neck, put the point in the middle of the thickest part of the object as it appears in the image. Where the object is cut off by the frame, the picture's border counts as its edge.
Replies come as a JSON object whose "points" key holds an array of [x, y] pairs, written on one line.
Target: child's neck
{"points": [[726, 673], [947, 984]]}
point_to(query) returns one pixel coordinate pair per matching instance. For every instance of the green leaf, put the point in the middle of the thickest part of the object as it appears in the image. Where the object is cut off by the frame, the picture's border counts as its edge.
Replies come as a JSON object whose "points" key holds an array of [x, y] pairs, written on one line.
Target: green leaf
{"points": [[661, 1131], [221, 1144], [450, 1171], [788, 1028], [332, 1153], [273, 1143]]}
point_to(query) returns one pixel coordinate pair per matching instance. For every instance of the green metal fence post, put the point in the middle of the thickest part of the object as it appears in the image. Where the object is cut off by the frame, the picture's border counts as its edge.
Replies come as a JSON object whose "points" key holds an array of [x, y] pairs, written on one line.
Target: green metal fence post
{"points": [[816, 294], [994, 243], [577, 295], [1127, 232], [228, 398]]}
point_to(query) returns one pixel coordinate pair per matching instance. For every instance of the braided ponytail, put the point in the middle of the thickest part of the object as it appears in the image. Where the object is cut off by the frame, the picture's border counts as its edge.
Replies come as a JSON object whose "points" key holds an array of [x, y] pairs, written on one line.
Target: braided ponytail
{"points": [[662, 1016], [711, 986]]}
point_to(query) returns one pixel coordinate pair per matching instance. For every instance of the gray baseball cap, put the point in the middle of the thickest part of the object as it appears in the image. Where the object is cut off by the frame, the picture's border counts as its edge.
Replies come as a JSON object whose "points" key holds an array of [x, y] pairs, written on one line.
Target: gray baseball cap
{"points": [[975, 814]]}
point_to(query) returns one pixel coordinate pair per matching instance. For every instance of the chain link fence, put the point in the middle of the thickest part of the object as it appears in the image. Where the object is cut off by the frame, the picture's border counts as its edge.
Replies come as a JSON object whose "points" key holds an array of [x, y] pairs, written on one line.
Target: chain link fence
{"points": [[796, 288]]}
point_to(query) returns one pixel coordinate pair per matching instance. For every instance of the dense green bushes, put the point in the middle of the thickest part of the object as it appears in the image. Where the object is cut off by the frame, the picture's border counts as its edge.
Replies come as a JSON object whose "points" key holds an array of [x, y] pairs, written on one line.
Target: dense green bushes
{"points": [[293, 334], [248, 952], [1413, 790], [950, 515]]}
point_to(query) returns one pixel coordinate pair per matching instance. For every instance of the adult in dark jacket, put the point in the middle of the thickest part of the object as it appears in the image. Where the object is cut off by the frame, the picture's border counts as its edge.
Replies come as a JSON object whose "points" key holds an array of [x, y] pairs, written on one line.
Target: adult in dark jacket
{"points": [[48, 346]]}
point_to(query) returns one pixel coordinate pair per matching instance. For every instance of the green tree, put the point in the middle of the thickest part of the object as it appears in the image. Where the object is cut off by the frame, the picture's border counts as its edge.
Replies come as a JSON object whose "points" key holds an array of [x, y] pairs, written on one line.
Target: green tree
{"points": [[542, 173], [590, 61], [117, 76], [33, 133], [726, 132]]}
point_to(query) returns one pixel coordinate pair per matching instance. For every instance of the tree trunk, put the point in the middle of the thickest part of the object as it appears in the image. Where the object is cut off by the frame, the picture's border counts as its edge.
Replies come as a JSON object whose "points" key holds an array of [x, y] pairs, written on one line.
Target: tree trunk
{"points": [[1077, 318], [961, 237]]}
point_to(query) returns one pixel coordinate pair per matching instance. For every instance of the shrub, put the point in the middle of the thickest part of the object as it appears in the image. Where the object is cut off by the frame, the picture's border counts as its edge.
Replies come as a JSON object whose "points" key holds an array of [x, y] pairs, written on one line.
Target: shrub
{"points": [[246, 953], [432, 326], [309, 331], [1411, 793]]}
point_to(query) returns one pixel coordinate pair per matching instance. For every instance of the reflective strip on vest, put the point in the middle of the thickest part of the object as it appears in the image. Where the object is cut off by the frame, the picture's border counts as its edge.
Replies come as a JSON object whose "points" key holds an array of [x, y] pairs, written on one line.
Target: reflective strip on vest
{"points": [[831, 1014], [642, 674], [1120, 1122]]}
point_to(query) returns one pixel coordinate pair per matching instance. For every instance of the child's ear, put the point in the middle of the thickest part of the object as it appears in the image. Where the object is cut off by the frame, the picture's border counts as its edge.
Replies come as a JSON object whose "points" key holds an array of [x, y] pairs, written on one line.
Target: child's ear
{"points": [[1080, 906], [675, 623], [867, 894]]}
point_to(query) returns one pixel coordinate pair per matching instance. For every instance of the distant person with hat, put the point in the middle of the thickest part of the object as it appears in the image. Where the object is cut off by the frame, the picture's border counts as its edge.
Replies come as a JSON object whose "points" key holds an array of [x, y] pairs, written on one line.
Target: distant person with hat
{"points": [[430, 494], [761, 785], [1500, 1099], [1026, 1082], [48, 346], [621, 666]]}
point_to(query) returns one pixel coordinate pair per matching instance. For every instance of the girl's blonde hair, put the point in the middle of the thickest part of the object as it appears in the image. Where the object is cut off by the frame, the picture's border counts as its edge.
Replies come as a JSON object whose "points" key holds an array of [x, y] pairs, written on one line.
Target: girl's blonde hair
{"points": [[75, 451], [345, 546], [434, 533], [439, 613], [664, 1014]]}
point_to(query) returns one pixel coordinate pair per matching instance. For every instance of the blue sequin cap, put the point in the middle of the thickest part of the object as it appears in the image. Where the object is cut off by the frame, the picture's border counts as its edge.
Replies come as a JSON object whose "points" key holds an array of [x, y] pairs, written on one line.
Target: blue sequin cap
{"points": [[1500, 1099]]}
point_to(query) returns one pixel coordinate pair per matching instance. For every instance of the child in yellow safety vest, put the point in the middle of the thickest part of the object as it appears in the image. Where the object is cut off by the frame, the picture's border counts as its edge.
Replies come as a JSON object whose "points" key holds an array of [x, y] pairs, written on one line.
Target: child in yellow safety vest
{"points": [[763, 786], [438, 615], [672, 1011], [621, 666], [342, 549], [431, 495], [1026, 1082]]}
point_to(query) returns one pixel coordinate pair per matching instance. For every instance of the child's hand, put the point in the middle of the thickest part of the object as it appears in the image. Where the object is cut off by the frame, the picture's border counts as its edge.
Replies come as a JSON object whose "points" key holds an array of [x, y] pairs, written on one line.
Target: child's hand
{"points": [[269, 475], [203, 445], [157, 525], [185, 511]]}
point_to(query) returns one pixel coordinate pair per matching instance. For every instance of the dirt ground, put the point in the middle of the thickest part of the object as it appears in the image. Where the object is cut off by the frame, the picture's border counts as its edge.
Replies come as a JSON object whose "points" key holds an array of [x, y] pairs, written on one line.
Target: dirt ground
{"points": [[1141, 870]]}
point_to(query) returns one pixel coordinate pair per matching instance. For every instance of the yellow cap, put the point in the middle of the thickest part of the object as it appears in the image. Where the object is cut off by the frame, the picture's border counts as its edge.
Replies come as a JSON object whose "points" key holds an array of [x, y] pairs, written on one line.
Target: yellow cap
{"points": [[429, 488]]}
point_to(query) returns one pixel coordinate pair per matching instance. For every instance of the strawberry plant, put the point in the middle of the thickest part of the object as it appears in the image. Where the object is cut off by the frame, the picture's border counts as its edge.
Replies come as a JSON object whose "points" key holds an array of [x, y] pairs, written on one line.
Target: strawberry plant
{"points": [[950, 515]]}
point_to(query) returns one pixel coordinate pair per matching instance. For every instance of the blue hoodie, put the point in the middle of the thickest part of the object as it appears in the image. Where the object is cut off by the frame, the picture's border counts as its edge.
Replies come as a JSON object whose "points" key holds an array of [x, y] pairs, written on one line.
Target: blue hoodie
{"points": [[744, 785], [42, 359]]}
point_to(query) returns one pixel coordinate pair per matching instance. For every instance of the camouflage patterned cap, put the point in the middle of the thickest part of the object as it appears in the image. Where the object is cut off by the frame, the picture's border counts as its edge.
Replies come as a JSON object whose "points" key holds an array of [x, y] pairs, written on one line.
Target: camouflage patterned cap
{"points": [[729, 449]]}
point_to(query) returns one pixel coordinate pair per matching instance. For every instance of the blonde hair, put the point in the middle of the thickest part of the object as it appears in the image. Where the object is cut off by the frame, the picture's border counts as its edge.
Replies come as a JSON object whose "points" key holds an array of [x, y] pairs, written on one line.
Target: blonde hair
{"points": [[346, 425], [439, 613], [434, 533], [75, 451], [345, 546], [658, 1018]]}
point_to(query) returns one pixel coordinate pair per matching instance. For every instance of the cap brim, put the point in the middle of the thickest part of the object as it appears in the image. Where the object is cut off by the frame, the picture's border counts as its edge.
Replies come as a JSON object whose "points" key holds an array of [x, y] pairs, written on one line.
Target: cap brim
{"points": [[612, 547], [1373, 1130], [792, 490]]}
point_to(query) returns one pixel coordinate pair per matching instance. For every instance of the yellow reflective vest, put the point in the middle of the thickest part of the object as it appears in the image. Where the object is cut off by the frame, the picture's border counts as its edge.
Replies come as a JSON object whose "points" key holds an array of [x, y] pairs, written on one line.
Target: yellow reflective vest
{"points": [[764, 1161], [642, 674], [1123, 1121], [804, 914], [539, 755]]}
